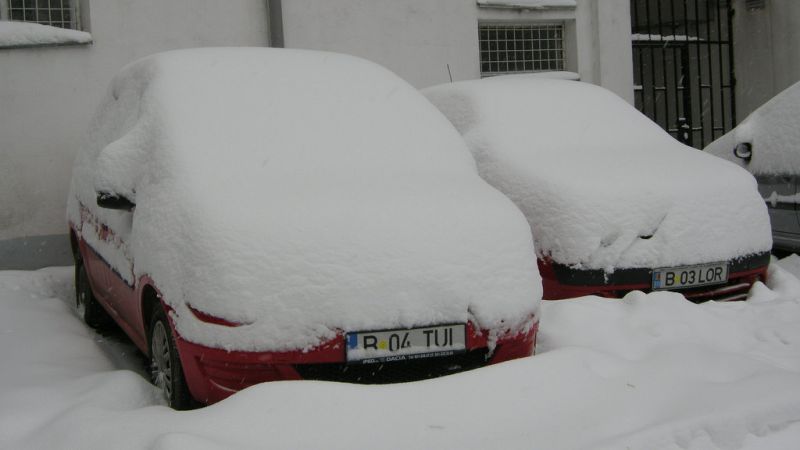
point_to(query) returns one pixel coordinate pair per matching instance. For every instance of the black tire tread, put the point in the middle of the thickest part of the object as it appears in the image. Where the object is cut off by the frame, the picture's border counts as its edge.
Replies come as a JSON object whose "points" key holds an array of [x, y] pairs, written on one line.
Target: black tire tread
{"points": [[93, 312]]}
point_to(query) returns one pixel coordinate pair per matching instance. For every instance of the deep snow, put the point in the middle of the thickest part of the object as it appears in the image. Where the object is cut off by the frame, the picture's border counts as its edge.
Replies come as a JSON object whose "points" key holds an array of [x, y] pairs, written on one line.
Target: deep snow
{"points": [[644, 372], [320, 188], [603, 186]]}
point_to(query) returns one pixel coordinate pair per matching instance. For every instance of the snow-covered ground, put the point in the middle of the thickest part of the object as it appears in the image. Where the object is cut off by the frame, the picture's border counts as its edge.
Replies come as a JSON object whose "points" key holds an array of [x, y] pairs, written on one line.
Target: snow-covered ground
{"points": [[645, 372]]}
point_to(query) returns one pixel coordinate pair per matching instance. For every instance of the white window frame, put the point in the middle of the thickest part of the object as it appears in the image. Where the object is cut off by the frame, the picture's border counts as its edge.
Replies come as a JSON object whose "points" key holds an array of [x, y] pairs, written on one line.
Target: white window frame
{"points": [[559, 63]]}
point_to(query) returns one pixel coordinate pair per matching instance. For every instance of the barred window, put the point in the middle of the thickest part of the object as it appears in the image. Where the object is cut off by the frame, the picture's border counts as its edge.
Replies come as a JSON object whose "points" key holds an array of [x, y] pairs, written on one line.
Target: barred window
{"points": [[516, 48], [58, 13]]}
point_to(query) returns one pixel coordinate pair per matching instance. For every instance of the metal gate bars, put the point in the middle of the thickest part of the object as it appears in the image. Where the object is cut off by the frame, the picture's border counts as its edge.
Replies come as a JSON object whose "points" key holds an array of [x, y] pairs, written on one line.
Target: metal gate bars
{"points": [[683, 66]]}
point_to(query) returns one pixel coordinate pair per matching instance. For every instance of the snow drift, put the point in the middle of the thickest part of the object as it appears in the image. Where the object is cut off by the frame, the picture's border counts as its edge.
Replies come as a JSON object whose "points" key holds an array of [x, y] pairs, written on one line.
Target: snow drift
{"points": [[299, 193], [645, 372], [602, 186]]}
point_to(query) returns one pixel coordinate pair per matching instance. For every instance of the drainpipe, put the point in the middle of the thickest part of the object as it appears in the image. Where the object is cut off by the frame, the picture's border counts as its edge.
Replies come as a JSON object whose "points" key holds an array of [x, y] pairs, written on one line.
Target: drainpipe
{"points": [[275, 14]]}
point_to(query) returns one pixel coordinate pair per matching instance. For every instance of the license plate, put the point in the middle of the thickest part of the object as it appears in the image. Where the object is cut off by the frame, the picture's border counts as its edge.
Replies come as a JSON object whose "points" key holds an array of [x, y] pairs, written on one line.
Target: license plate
{"points": [[690, 276], [370, 347]]}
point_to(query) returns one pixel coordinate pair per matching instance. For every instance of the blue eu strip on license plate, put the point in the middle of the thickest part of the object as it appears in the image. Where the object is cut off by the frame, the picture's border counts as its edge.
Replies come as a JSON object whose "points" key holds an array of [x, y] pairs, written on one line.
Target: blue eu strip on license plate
{"points": [[370, 347], [690, 276]]}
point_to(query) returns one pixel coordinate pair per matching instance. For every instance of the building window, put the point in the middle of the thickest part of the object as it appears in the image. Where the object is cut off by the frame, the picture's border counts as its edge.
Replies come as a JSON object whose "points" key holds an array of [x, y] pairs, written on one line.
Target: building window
{"points": [[520, 48], [57, 13]]}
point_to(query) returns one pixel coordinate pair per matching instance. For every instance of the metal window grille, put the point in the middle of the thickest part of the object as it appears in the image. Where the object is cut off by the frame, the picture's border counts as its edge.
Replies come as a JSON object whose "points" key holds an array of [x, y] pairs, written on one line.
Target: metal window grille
{"points": [[515, 48], [58, 13], [683, 59]]}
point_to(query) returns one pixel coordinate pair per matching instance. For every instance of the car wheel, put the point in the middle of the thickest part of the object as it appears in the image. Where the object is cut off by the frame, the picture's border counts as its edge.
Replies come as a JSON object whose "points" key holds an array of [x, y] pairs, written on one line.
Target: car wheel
{"points": [[165, 365], [89, 309]]}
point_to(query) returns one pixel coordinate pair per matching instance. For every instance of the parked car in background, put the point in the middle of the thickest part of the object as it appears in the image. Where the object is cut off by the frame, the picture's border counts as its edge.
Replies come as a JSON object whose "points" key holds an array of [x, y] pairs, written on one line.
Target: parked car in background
{"points": [[614, 203], [253, 214], [767, 143]]}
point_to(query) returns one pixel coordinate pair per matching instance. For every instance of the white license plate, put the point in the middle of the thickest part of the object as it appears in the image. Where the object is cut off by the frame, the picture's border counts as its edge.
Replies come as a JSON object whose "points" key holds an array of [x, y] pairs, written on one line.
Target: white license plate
{"points": [[369, 347], [690, 276]]}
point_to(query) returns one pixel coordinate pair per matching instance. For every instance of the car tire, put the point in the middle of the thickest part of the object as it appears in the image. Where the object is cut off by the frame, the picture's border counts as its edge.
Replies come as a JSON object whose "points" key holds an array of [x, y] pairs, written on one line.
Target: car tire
{"points": [[89, 309], [166, 371]]}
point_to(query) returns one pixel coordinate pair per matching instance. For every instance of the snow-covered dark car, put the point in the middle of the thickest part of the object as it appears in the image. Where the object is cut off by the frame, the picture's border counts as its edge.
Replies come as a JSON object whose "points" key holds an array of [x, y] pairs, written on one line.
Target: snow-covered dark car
{"points": [[251, 214], [767, 143], [614, 203]]}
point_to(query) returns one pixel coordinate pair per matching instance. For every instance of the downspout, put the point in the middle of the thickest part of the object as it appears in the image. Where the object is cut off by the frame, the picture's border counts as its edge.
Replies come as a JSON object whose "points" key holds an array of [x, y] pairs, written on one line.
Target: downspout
{"points": [[275, 13]]}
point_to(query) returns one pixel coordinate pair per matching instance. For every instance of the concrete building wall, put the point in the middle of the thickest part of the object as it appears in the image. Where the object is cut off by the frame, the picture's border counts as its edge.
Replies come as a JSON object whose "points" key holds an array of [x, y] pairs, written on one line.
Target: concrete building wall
{"points": [[605, 55], [767, 51], [47, 95], [416, 39]]}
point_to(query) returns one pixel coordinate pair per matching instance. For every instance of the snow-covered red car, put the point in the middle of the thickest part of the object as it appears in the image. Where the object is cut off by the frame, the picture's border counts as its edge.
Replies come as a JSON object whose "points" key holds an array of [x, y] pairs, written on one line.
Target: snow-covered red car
{"points": [[252, 214], [614, 203], [767, 144]]}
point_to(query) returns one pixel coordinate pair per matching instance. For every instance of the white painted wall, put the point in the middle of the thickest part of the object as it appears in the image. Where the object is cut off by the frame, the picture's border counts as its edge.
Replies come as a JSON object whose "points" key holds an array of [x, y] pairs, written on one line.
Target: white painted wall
{"points": [[767, 52], [605, 52], [414, 38], [48, 94]]}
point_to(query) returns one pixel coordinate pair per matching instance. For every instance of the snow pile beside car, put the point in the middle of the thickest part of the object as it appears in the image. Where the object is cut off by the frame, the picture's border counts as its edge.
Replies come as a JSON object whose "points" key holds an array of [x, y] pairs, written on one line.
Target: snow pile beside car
{"points": [[300, 193], [645, 372], [603, 187], [773, 133]]}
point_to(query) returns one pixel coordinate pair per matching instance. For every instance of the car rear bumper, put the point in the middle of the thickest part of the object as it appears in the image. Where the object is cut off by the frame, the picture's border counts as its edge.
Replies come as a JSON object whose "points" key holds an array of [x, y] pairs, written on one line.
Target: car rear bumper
{"points": [[214, 374], [561, 281]]}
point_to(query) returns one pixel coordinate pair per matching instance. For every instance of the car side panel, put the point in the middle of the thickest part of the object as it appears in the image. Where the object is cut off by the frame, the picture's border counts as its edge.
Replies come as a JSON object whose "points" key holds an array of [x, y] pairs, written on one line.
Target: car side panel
{"points": [[779, 193], [115, 295]]}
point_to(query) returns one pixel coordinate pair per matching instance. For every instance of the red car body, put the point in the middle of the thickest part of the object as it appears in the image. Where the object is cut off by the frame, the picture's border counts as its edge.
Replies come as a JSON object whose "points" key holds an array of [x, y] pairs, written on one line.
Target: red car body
{"points": [[578, 172], [561, 281], [212, 374], [258, 214]]}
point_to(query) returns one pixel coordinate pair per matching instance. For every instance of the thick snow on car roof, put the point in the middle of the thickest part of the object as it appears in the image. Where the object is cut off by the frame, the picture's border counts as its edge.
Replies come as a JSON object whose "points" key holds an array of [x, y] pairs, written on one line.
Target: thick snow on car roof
{"points": [[301, 193], [774, 134], [602, 186]]}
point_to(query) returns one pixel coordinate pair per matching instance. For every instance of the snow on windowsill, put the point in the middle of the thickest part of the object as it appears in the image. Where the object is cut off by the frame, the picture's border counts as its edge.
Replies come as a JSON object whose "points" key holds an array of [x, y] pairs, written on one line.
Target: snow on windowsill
{"points": [[658, 37], [26, 34], [528, 4]]}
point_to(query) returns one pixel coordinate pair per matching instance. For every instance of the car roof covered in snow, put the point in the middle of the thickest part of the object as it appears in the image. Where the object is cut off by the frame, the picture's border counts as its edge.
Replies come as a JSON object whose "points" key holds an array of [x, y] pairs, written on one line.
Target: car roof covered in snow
{"points": [[300, 193], [773, 133], [602, 186]]}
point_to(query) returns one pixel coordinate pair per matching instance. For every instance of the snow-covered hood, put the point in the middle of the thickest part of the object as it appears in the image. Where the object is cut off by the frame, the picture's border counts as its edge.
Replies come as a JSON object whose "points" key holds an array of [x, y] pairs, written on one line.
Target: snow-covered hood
{"points": [[602, 186], [300, 194], [773, 131]]}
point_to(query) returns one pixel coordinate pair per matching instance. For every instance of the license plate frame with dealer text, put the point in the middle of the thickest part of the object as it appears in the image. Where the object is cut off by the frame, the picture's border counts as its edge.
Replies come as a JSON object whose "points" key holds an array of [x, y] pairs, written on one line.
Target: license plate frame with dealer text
{"points": [[371, 347]]}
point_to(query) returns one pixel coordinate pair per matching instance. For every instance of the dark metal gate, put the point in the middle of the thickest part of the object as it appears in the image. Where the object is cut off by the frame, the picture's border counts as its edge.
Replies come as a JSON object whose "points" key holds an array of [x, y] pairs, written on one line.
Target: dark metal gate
{"points": [[683, 66]]}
